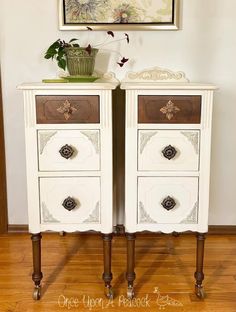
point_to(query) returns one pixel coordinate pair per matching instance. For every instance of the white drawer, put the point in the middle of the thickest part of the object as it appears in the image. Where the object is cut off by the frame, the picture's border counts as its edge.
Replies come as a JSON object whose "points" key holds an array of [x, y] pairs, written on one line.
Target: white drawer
{"points": [[68, 150], [167, 200], [72, 200], [168, 150]]}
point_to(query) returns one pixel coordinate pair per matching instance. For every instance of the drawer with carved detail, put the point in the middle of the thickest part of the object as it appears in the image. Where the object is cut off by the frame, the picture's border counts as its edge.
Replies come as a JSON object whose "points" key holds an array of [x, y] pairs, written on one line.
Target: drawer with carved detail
{"points": [[169, 109], [70, 200], [168, 150], [52, 109], [167, 200], [68, 150]]}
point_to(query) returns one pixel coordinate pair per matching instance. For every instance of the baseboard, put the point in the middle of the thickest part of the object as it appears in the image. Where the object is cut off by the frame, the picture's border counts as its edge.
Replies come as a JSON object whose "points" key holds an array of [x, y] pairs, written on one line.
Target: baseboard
{"points": [[222, 229], [119, 229], [17, 228]]}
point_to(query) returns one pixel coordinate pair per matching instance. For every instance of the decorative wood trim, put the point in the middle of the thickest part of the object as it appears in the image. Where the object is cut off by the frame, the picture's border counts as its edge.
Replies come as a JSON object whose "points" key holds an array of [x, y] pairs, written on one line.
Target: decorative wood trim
{"points": [[156, 74], [193, 137], [212, 230], [145, 137], [47, 216], [93, 137], [119, 229], [3, 188], [66, 109], [94, 216], [143, 215], [192, 217], [44, 137], [131, 110], [169, 110]]}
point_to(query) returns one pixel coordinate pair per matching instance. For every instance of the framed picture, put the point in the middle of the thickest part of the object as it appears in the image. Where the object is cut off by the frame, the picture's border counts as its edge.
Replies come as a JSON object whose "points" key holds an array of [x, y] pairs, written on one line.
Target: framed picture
{"points": [[119, 14]]}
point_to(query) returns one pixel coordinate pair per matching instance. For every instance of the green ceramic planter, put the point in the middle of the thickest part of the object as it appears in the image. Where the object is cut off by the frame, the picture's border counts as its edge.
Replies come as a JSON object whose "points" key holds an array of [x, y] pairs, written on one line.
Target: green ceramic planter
{"points": [[79, 62]]}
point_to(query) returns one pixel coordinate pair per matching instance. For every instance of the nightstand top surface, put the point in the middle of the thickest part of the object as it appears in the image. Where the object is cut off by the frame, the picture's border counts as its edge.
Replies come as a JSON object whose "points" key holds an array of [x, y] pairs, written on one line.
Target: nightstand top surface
{"points": [[166, 86]]}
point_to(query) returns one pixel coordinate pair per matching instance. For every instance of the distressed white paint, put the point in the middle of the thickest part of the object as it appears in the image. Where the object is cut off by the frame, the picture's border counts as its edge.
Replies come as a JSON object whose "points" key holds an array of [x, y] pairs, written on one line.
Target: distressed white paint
{"points": [[85, 145], [84, 190], [153, 190], [146, 174], [151, 143], [86, 177]]}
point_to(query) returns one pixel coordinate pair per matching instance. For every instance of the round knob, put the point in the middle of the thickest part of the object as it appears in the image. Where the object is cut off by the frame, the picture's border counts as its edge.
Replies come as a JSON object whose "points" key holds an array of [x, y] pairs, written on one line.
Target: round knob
{"points": [[168, 203], [69, 203], [169, 152], [66, 151]]}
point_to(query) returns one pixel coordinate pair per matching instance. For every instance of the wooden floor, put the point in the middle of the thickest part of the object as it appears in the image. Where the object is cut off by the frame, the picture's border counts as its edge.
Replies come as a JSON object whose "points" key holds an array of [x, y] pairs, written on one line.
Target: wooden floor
{"points": [[72, 268]]}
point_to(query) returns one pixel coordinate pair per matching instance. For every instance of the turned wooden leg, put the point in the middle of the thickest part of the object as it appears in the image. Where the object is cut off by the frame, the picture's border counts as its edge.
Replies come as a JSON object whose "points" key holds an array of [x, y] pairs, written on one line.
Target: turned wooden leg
{"points": [[107, 275], [199, 275], [37, 274], [130, 274]]}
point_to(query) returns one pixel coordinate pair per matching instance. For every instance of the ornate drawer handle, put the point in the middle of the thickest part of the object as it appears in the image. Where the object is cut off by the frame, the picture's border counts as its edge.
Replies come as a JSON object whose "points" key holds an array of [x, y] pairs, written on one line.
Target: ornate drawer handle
{"points": [[66, 151], [168, 203], [69, 203], [169, 152]]}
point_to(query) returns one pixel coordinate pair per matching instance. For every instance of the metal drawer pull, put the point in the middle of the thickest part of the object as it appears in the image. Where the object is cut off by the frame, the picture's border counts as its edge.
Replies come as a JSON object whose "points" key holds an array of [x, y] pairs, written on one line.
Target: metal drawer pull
{"points": [[66, 151], [69, 203], [169, 152], [168, 203]]}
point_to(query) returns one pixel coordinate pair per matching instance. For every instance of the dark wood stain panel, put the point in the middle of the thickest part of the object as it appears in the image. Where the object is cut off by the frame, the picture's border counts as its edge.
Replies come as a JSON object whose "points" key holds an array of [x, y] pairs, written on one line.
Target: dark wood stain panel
{"points": [[3, 187], [52, 109], [181, 109]]}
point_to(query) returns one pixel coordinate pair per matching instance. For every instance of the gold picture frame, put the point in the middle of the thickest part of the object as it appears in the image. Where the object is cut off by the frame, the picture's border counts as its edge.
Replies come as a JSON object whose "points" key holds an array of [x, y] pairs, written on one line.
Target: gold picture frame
{"points": [[117, 15]]}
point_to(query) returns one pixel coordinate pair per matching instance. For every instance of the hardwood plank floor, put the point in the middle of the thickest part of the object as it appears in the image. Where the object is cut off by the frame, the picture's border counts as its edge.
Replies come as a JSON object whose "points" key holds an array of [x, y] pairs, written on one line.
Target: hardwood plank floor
{"points": [[72, 267]]}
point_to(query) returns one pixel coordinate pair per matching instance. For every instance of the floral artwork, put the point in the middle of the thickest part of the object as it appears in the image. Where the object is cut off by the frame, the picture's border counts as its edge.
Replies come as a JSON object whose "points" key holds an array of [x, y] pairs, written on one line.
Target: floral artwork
{"points": [[132, 12]]}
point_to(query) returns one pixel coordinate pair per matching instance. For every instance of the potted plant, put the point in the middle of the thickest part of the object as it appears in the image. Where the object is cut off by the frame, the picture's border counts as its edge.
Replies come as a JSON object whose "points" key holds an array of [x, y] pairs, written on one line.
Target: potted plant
{"points": [[79, 60]]}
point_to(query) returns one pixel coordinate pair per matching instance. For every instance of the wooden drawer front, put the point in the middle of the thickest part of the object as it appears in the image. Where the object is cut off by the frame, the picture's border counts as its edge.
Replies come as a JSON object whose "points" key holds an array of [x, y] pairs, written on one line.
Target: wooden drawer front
{"points": [[169, 109], [168, 150], [58, 193], [155, 193], [64, 150], [52, 109]]}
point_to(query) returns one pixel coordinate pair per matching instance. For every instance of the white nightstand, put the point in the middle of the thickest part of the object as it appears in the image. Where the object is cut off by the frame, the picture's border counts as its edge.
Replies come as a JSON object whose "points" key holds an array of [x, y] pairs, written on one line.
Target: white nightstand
{"points": [[68, 134], [167, 166]]}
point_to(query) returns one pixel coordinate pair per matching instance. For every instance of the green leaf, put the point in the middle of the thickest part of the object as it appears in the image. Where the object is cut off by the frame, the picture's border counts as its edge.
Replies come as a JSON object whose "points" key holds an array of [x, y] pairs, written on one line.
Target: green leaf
{"points": [[47, 56], [76, 45], [61, 52], [51, 51], [74, 39], [54, 46], [62, 64]]}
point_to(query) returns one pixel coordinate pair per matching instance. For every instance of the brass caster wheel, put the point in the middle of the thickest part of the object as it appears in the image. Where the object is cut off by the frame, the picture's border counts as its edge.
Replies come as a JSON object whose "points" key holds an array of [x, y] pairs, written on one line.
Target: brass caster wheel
{"points": [[130, 292], [37, 293], [199, 291], [109, 292]]}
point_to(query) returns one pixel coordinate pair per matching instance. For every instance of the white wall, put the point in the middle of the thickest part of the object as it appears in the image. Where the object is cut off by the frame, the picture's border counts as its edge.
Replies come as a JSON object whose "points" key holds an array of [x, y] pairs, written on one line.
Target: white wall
{"points": [[205, 49]]}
